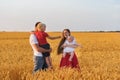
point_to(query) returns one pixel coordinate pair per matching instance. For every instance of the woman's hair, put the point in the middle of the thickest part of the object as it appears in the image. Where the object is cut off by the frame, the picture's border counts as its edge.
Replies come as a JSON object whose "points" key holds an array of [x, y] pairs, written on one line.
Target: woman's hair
{"points": [[60, 49]]}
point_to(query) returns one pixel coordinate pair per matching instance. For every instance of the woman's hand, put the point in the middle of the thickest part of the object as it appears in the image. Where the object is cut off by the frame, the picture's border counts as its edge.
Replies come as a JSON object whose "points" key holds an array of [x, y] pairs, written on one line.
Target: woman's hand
{"points": [[64, 45]]}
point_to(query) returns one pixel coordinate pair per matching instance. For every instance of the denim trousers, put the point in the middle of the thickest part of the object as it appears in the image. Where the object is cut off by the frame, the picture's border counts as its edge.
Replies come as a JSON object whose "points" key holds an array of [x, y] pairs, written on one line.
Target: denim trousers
{"points": [[38, 63]]}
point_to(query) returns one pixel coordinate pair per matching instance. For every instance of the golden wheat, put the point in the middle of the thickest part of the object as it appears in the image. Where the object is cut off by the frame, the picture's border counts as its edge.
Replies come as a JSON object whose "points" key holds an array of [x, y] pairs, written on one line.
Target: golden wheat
{"points": [[99, 58]]}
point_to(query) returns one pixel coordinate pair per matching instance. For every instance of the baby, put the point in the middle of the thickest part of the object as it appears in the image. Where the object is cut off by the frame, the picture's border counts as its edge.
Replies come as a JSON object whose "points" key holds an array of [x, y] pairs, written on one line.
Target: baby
{"points": [[69, 47]]}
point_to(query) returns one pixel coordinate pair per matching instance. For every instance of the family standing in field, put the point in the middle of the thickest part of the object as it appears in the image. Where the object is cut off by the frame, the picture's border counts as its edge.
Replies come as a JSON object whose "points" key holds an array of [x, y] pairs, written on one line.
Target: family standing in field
{"points": [[42, 50]]}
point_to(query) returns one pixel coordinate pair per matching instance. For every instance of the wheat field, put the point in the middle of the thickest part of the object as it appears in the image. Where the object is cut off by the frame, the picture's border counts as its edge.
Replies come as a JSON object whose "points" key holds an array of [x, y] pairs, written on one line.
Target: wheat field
{"points": [[99, 58]]}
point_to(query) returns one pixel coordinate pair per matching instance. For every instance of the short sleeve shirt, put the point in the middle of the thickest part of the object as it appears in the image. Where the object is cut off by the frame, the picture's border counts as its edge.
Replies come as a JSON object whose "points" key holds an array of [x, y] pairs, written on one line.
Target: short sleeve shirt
{"points": [[41, 37], [33, 40]]}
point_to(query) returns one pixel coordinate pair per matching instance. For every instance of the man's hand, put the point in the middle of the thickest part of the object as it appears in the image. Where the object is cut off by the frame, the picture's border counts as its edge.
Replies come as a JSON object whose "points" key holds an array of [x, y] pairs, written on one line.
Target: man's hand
{"points": [[50, 50]]}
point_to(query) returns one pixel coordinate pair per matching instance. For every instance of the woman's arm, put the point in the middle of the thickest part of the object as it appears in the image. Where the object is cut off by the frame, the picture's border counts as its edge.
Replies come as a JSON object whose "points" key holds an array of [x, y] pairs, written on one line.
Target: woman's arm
{"points": [[69, 45], [72, 45]]}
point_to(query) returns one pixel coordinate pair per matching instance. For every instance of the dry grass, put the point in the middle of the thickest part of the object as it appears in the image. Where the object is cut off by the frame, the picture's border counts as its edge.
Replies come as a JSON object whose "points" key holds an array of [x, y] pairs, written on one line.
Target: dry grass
{"points": [[99, 58]]}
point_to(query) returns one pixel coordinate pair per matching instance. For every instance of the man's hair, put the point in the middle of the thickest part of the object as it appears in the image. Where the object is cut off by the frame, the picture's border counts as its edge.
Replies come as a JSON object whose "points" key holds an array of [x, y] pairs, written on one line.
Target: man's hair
{"points": [[37, 24]]}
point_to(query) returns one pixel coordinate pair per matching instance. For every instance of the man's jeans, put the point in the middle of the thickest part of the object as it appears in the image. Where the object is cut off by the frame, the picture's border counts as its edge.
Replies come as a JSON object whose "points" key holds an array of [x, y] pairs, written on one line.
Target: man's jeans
{"points": [[38, 63]]}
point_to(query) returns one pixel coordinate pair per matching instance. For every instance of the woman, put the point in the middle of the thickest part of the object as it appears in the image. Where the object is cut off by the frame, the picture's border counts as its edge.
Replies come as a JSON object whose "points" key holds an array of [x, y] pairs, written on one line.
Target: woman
{"points": [[65, 60]]}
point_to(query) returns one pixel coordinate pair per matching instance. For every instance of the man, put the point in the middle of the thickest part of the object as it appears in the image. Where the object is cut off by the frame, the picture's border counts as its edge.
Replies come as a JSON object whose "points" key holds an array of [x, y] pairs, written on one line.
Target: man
{"points": [[39, 61]]}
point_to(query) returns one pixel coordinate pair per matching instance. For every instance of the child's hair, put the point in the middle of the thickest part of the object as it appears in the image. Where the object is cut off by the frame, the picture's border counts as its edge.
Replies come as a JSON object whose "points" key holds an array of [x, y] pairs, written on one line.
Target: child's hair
{"points": [[40, 26], [70, 37], [43, 25]]}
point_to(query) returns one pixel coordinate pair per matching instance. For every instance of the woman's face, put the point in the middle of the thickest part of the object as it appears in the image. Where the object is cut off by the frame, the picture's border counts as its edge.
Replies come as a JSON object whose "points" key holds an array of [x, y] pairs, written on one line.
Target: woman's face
{"points": [[66, 33]]}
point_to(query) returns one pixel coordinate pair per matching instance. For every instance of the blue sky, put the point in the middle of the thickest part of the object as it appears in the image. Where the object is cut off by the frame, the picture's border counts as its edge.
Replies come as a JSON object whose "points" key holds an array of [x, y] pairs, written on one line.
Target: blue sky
{"points": [[77, 15]]}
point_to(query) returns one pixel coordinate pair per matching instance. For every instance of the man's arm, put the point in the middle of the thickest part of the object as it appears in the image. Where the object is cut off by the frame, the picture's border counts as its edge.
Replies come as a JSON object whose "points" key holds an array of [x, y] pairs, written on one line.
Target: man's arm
{"points": [[52, 38], [40, 49], [34, 43]]}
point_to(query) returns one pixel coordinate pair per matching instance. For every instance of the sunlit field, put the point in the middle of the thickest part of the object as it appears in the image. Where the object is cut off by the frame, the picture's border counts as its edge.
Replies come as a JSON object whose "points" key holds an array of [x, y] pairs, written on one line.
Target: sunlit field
{"points": [[99, 58]]}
